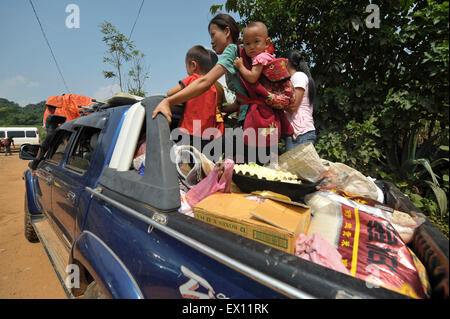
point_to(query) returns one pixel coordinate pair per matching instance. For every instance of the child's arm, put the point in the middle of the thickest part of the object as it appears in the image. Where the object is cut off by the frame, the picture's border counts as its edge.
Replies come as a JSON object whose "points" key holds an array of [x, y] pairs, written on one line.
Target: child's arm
{"points": [[250, 76], [196, 88], [174, 90], [230, 108], [299, 91]]}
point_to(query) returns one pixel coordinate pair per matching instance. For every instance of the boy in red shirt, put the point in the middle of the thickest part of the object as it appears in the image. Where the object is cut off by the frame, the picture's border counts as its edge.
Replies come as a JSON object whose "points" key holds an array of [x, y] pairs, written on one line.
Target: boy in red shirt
{"points": [[201, 109]]}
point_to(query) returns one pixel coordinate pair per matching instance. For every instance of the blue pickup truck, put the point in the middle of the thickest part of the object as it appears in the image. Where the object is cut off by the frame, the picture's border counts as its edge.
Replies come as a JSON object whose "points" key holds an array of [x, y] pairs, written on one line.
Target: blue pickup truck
{"points": [[111, 232]]}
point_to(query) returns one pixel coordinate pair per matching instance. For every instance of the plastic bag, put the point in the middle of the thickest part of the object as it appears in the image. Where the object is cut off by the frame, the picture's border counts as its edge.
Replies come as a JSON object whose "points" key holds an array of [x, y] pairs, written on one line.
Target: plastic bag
{"points": [[342, 177], [192, 165], [394, 198], [139, 156], [189, 167], [218, 180], [316, 249], [139, 164], [370, 246], [403, 223], [184, 207], [302, 161]]}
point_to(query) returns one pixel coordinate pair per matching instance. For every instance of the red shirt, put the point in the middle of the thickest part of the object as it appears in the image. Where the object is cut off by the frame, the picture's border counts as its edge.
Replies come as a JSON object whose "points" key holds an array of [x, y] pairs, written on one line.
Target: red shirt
{"points": [[202, 108]]}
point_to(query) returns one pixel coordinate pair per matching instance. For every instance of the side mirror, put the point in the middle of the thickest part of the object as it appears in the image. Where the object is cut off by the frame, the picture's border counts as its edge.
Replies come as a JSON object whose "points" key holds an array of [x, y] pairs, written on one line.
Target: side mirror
{"points": [[29, 151]]}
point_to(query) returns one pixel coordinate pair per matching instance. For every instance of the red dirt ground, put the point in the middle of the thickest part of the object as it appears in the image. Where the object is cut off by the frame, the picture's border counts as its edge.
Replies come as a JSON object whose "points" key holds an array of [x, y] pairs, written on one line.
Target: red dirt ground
{"points": [[25, 270]]}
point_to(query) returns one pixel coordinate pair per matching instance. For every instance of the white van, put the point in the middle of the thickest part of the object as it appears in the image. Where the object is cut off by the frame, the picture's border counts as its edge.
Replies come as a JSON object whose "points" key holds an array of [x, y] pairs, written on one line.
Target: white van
{"points": [[21, 135]]}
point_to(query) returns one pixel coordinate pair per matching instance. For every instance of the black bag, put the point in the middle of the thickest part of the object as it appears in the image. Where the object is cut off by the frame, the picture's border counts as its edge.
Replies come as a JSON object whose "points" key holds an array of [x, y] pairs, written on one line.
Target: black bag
{"points": [[394, 198]]}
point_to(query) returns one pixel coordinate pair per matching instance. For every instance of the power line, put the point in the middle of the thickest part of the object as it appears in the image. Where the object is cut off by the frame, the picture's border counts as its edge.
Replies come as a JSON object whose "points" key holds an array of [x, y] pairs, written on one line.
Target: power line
{"points": [[48, 44], [132, 29]]}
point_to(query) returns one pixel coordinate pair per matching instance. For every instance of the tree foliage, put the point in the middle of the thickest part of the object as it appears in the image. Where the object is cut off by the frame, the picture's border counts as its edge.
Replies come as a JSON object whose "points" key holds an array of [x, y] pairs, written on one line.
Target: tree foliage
{"points": [[137, 74], [11, 114], [121, 51], [397, 72], [118, 52]]}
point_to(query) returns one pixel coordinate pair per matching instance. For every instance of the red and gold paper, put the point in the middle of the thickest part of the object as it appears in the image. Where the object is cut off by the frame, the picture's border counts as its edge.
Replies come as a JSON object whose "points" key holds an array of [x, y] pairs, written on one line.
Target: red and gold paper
{"points": [[373, 251]]}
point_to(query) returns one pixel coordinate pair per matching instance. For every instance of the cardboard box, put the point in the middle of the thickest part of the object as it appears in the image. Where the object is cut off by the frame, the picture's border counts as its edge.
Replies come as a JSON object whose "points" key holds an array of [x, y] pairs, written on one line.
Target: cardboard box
{"points": [[268, 221]]}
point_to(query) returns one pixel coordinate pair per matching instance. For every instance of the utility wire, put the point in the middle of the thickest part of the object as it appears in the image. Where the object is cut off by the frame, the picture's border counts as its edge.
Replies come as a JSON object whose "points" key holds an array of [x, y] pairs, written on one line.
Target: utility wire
{"points": [[132, 29], [48, 44]]}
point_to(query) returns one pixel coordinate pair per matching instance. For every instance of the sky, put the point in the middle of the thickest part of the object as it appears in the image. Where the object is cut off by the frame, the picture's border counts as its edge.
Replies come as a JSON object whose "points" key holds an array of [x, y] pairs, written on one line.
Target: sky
{"points": [[164, 31]]}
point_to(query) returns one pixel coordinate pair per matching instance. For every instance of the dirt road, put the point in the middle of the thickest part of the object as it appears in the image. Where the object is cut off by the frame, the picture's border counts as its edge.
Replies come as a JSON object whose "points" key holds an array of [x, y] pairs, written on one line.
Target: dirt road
{"points": [[25, 271]]}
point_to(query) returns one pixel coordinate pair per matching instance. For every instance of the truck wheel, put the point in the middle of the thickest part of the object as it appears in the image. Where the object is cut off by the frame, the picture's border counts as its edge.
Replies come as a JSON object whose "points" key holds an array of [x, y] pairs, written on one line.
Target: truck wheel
{"points": [[30, 233], [93, 291]]}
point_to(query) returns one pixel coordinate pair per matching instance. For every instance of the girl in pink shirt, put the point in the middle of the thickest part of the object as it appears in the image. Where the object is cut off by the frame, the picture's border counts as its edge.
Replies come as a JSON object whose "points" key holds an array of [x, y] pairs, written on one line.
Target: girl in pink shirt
{"points": [[300, 114]]}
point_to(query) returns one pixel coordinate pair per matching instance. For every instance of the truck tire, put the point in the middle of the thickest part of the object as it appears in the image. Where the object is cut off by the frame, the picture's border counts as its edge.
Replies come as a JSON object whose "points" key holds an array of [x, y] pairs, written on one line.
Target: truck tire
{"points": [[30, 233], [93, 291]]}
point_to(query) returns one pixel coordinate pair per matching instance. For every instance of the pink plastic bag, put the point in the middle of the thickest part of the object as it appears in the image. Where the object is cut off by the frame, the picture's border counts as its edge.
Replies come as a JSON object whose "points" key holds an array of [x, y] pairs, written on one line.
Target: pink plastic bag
{"points": [[211, 183], [318, 250]]}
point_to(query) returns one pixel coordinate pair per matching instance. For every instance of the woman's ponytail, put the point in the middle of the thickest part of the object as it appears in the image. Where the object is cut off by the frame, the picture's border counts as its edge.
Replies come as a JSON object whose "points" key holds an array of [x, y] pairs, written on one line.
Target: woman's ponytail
{"points": [[297, 60]]}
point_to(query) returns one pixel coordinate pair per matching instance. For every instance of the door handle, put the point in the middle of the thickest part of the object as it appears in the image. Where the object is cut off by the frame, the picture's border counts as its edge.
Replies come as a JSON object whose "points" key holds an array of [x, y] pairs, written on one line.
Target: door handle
{"points": [[71, 197]]}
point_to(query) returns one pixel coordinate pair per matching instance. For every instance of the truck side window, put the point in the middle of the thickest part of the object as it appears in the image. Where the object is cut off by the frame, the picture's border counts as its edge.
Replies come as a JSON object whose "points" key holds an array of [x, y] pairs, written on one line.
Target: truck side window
{"points": [[79, 158], [56, 153]]}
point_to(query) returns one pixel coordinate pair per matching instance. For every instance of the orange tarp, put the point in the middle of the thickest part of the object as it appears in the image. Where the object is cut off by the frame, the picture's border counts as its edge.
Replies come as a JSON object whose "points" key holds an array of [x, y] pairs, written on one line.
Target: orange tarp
{"points": [[66, 105]]}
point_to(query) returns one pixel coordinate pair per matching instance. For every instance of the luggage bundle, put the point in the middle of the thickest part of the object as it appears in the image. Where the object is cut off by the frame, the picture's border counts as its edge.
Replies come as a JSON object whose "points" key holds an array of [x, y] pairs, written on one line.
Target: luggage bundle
{"points": [[324, 212]]}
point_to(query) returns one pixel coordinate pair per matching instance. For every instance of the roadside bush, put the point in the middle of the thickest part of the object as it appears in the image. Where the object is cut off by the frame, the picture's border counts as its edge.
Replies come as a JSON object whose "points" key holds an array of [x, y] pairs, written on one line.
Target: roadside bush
{"points": [[376, 87], [356, 145]]}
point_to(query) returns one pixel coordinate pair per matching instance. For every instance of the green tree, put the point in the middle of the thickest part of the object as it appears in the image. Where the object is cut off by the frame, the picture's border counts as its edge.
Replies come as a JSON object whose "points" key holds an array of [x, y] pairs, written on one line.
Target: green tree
{"points": [[121, 52], [138, 74], [376, 86], [12, 114], [361, 72], [118, 53]]}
